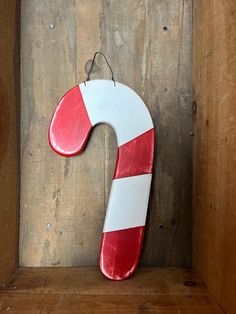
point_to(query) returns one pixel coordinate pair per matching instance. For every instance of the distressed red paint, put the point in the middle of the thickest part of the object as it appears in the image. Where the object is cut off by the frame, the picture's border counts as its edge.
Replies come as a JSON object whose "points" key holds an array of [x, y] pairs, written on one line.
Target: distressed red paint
{"points": [[120, 252], [135, 157], [70, 125]]}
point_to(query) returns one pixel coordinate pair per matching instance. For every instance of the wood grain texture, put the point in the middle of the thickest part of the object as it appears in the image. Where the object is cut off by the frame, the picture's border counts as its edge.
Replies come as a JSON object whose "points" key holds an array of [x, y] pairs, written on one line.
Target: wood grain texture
{"points": [[85, 290], [63, 200], [214, 231], [9, 161], [151, 53]]}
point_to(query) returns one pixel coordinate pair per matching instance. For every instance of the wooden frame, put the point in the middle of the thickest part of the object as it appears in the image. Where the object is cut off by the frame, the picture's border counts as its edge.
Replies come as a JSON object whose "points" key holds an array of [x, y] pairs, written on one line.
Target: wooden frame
{"points": [[9, 137], [214, 227], [214, 223]]}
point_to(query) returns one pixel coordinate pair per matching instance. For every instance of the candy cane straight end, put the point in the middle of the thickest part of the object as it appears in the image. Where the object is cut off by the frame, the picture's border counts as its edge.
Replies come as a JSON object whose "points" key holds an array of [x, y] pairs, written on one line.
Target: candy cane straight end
{"points": [[120, 252], [82, 108]]}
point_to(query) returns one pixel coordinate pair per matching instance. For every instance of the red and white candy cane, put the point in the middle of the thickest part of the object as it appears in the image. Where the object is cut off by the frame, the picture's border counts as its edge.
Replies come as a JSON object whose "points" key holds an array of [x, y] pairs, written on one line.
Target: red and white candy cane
{"points": [[102, 101]]}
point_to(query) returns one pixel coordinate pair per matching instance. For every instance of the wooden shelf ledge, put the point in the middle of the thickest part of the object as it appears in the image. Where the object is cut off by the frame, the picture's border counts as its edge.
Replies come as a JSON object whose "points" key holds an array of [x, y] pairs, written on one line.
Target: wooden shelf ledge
{"points": [[85, 290]]}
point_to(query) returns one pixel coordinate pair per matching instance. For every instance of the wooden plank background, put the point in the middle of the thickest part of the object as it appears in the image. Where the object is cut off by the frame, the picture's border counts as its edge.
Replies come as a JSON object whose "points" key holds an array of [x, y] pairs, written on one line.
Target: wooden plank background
{"points": [[214, 233], [9, 139], [63, 200]]}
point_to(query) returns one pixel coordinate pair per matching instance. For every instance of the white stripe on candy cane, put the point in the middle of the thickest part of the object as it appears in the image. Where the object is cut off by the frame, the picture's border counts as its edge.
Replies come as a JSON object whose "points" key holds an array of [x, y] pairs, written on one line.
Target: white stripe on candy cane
{"points": [[118, 106], [127, 206]]}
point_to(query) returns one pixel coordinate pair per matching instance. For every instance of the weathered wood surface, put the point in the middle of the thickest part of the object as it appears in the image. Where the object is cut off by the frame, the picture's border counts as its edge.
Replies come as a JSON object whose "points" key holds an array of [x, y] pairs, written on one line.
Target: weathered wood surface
{"points": [[215, 148], [70, 290], [63, 200], [9, 161]]}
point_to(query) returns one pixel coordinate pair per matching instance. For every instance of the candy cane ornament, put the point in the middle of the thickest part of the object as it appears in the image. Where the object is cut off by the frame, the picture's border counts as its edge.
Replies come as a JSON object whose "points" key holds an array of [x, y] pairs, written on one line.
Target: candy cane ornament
{"points": [[102, 101]]}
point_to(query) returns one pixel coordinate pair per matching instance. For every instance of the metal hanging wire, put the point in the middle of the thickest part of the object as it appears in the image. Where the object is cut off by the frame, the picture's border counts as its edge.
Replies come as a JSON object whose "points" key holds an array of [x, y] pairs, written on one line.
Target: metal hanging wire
{"points": [[92, 64]]}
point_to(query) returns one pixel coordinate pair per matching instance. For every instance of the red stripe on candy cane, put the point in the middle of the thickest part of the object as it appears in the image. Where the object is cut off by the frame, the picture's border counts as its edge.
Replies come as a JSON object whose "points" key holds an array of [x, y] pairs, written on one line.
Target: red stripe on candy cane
{"points": [[120, 252], [70, 125], [135, 157]]}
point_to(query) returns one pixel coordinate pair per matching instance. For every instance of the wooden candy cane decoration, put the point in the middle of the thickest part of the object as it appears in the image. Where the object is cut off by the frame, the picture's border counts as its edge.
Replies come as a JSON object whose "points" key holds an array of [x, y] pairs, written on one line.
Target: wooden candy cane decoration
{"points": [[100, 101]]}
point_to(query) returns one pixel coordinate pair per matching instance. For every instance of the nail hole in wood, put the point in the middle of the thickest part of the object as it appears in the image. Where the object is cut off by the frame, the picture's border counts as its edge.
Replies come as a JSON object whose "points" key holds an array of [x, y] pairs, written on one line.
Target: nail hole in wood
{"points": [[190, 283]]}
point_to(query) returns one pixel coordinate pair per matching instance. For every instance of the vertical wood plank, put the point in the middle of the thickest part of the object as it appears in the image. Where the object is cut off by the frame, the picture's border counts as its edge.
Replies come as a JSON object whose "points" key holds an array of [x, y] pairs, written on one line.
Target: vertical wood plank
{"points": [[214, 234], [90, 181], [48, 58], [9, 137], [151, 52], [64, 200]]}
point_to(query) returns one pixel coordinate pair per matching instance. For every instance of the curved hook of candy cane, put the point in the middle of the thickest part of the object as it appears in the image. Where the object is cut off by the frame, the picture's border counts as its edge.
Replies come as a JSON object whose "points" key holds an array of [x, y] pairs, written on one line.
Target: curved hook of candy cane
{"points": [[99, 101]]}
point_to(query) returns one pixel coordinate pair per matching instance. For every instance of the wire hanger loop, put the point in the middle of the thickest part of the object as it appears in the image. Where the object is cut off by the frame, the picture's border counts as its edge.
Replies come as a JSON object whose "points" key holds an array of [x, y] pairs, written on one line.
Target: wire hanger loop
{"points": [[92, 64]]}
